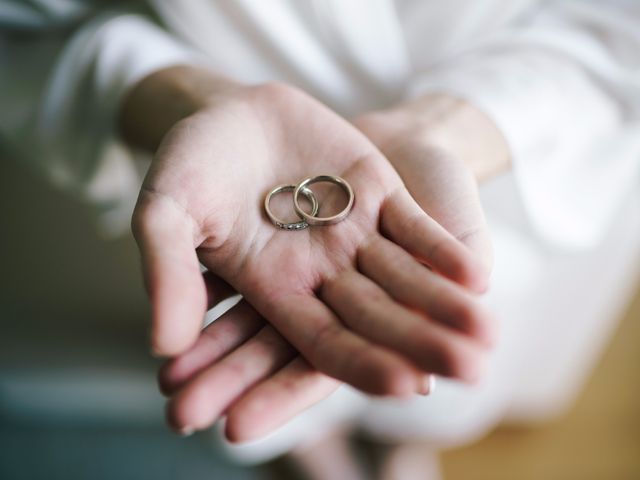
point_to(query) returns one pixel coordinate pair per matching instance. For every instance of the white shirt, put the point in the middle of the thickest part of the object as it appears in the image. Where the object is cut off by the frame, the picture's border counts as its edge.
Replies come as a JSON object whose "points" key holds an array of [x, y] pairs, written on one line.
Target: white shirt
{"points": [[560, 78]]}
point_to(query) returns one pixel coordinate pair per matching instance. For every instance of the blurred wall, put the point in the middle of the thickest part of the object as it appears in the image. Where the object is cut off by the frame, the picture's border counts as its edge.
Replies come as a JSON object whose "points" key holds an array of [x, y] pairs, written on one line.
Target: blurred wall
{"points": [[73, 310]]}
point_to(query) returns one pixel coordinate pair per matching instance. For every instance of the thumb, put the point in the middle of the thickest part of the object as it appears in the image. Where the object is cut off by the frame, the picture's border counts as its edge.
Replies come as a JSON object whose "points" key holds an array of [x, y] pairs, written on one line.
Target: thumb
{"points": [[447, 191]]}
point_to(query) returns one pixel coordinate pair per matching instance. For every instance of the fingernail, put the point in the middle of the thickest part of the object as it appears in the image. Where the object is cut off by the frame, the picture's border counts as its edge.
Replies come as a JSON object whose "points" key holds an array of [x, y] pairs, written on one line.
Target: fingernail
{"points": [[186, 431], [432, 384], [427, 385]]}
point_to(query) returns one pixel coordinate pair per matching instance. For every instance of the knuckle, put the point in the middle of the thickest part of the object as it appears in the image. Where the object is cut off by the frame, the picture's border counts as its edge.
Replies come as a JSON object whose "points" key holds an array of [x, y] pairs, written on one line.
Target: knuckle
{"points": [[319, 344], [339, 284], [332, 286], [466, 267], [272, 346], [369, 250], [275, 92], [236, 370], [449, 250], [366, 309], [460, 267], [372, 295], [288, 384], [477, 321], [146, 214], [363, 316], [417, 221], [470, 315], [159, 212], [140, 217], [468, 271]]}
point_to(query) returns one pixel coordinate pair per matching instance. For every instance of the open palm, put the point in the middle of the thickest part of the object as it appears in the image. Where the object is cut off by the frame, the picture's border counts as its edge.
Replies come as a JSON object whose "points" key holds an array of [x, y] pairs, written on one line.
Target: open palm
{"points": [[353, 298]]}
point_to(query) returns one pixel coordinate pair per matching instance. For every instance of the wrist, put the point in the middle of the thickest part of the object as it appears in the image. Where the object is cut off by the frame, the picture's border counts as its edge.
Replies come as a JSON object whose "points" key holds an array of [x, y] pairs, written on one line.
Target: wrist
{"points": [[160, 100], [441, 123]]}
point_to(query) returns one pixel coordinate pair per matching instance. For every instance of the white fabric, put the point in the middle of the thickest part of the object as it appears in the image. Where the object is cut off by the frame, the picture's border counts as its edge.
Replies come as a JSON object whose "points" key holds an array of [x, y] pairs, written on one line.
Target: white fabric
{"points": [[568, 105], [561, 79]]}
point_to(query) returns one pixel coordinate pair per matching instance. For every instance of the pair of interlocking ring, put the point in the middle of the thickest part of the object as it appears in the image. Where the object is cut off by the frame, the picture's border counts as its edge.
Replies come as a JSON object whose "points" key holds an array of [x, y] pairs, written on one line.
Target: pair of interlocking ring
{"points": [[310, 218]]}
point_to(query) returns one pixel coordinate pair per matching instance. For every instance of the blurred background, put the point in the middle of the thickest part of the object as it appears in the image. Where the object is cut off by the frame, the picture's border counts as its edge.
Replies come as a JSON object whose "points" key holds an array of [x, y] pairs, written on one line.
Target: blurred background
{"points": [[77, 386]]}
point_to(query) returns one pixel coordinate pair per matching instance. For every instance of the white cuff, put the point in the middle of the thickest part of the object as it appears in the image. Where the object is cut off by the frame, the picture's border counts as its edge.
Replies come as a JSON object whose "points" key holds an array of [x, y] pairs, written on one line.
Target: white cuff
{"points": [[76, 128]]}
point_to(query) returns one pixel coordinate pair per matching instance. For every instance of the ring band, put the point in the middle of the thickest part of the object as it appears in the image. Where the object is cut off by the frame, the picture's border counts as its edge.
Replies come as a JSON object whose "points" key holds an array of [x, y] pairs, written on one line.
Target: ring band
{"points": [[302, 224], [311, 219]]}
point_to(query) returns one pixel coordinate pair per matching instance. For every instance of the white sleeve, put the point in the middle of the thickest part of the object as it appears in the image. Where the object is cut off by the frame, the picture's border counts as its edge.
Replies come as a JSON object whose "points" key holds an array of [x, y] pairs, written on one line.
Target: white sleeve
{"points": [[564, 88], [68, 128]]}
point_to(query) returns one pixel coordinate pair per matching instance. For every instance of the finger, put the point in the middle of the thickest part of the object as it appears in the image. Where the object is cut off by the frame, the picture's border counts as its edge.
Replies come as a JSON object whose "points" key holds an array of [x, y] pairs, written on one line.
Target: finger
{"points": [[228, 332], [275, 401], [411, 284], [405, 223], [320, 337], [366, 309], [427, 386], [217, 289], [202, 400], [165, 236]]}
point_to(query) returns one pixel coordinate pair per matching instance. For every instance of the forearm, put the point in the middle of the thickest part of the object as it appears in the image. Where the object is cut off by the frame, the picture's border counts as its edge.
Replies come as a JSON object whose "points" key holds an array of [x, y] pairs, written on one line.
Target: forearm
{"points": [[446, 123], [163, 98]]}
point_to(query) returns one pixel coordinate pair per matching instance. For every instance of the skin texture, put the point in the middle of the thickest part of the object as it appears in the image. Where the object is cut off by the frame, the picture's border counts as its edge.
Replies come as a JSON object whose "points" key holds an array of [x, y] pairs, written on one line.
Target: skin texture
{"points": [[380, 300]]}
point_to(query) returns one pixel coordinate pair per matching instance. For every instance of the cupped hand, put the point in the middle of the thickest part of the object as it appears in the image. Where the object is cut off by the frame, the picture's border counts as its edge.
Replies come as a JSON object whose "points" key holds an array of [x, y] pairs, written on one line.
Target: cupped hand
{"points": [[437, 154], [354, 299]]}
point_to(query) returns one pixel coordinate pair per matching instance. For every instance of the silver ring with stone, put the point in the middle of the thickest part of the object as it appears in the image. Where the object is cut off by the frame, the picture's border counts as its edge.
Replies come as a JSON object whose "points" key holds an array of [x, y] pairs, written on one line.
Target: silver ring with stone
{"points": [[302, 224]]}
